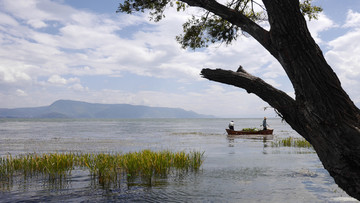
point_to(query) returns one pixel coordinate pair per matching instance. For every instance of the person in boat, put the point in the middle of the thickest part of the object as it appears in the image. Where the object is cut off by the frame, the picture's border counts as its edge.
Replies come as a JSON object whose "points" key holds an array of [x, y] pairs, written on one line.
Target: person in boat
{"points": [[231, 125], [265, 125]]}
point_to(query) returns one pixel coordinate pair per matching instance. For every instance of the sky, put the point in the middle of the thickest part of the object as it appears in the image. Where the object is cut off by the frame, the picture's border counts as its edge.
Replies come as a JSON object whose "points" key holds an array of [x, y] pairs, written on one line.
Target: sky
{"points": [[83, 50]]}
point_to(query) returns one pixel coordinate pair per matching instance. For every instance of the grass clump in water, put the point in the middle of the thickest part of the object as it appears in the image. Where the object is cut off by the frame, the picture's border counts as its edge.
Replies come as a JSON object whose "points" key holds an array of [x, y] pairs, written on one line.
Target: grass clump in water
{"points": [[291, 142], [103, 167], [53, 165]]}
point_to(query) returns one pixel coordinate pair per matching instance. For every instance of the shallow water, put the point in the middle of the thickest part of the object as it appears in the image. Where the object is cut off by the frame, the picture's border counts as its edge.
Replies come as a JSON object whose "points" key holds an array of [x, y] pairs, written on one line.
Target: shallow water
{"points": [[234, 170]]}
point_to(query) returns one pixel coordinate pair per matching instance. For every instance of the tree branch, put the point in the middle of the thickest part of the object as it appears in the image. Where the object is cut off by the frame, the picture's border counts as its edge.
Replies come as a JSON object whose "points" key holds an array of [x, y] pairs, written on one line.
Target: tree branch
{"points": [[276, 98], [238, 19]]}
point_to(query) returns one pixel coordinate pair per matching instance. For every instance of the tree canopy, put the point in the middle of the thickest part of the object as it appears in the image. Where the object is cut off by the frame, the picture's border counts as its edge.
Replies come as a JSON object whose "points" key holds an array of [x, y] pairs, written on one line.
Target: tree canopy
{"points": [[201, 30]]}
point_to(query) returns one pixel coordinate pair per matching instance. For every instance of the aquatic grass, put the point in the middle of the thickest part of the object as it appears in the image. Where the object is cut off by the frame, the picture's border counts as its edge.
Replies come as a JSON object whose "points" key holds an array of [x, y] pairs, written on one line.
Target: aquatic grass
{"points": [[106, 168], [197, 159], [250, 129], [100, 166], [291, 142], [53, 167], [148, 164]]}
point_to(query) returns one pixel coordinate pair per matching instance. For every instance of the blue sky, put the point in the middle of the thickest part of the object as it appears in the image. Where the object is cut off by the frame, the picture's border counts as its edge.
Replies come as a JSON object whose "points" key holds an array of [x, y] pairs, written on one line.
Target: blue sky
{"points": [[83, 50]]}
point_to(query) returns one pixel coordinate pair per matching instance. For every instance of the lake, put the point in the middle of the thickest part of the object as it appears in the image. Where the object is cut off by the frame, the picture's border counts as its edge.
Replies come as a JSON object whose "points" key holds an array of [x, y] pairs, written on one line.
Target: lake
{"points": [[234, 170]]}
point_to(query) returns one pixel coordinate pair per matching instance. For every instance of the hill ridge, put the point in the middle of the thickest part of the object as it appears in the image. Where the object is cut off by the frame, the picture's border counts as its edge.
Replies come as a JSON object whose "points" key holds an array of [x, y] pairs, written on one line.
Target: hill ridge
{"points": [[80, 109]]}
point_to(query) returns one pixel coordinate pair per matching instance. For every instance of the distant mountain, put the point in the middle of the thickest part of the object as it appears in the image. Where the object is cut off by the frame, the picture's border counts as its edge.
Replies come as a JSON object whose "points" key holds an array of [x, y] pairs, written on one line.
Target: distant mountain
{"points": [[77, 109]]}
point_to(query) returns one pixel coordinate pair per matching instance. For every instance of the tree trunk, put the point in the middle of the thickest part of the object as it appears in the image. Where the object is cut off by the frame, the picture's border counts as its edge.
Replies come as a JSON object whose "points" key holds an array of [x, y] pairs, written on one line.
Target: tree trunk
{"points": [[322, 112]]}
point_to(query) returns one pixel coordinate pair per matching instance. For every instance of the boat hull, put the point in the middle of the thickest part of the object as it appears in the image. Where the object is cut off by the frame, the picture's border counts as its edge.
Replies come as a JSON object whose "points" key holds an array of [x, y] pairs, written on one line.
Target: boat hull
{"points": [[260, 132], [259, 135]]}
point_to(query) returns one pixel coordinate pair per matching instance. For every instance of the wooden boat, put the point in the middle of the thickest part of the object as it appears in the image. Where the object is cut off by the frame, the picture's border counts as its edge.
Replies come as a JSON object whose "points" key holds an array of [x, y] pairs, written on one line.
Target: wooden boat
{"points": [[259, 135], [260, 132]]}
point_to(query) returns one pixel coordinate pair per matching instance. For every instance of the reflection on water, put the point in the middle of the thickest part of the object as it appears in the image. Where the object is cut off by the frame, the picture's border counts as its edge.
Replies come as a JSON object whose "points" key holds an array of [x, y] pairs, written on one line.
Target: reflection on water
{"points": [[234, 170], [273, 146]]}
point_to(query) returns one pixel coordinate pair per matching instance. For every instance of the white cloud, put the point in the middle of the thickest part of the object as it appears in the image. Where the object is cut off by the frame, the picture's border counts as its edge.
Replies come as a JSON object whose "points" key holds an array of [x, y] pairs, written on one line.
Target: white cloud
{"points": [[273, 82], [79, 87], [56, 79], [21, 93], [79, 39], [86, 39], [7, 20], [215, 89], [12, 72], [323, 23], [352, 19], [73, 80], [74, 83], [344, 56], [37, 11], [37, 23]]}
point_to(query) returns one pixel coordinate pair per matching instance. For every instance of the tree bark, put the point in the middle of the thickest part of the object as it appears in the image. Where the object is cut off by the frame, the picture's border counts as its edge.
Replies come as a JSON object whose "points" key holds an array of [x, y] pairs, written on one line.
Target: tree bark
{"points": [[322, 112]]}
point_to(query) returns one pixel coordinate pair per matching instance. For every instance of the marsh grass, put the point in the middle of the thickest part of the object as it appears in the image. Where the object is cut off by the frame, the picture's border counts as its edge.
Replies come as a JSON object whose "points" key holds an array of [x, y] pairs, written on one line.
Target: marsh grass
{"points": [[291, 142], [104, 168]]}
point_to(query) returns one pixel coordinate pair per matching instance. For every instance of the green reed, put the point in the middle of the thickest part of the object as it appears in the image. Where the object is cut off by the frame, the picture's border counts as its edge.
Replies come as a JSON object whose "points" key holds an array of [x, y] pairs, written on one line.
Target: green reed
{"points": [[103, 167], [31, 164], [291, 142]]}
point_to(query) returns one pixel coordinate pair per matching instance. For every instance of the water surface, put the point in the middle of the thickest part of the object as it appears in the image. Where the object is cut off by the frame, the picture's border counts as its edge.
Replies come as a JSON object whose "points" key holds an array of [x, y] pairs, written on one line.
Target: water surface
{"points": [[235, 170]]}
